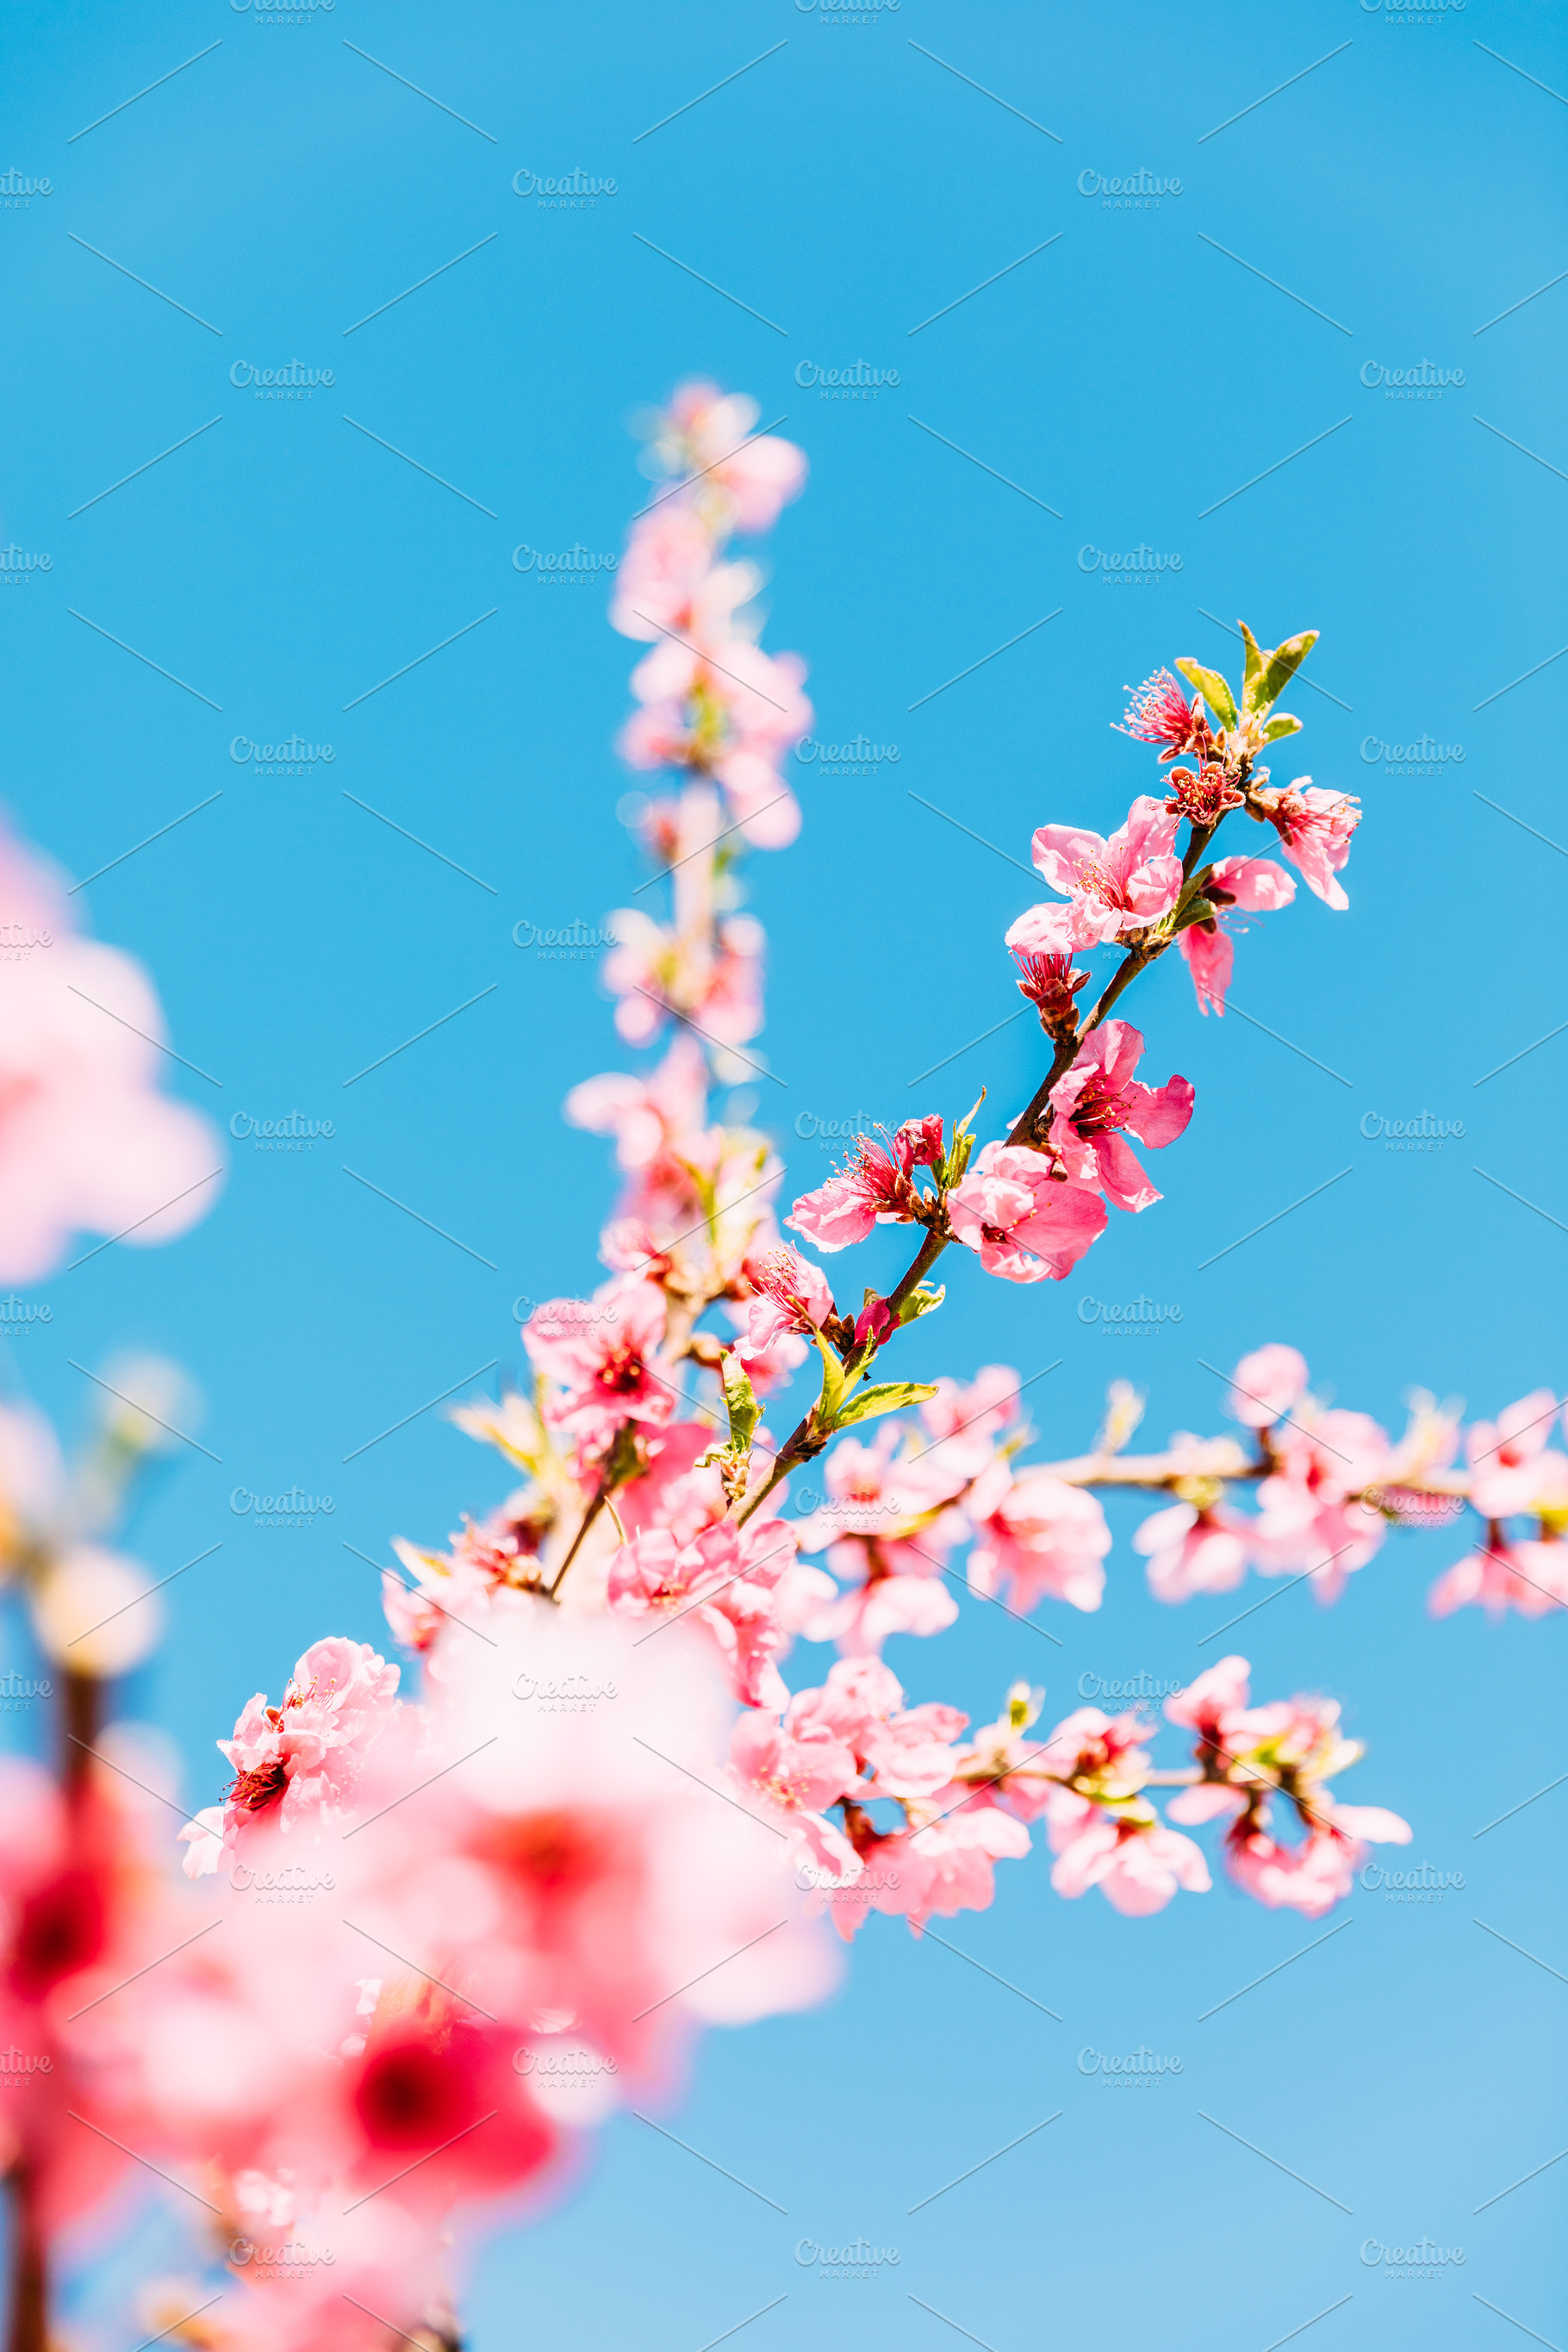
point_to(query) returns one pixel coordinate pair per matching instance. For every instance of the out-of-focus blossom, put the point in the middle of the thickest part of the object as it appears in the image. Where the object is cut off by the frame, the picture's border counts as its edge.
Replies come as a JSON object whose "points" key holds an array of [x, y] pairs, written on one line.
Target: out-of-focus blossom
{"points": [[1036, 1538], [1191, 1550], [1266, 1385], [1497, 1576], [1512, 1467], [603, 1355], [87, 1142]]}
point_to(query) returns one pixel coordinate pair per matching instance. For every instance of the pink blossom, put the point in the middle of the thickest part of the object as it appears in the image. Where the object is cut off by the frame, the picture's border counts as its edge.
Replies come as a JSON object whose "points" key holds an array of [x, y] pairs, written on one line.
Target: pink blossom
{"points": [[603, 1356], [300, 1764], [1137, 1866], [1019, 1216], [1530, 1577], [1209, 954], [87, 1142], [647, 1115], [1035, 1537], [1160, 713], [862, 1619], [1310, 1514], [789, 1293], [1193, 1551], [709, 434], [1255, 884], [1512, 1468], [741, 1588], [1097, 1098], [1315, 828], [656, 974], [1266, 1385], [981, 1411], [1117, 886], [873, 1190]]}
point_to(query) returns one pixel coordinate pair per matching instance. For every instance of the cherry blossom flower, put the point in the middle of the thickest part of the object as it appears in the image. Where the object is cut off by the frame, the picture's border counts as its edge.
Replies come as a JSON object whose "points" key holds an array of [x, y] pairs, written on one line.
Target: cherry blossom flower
{"points": [[1137, 1866], [1512, 1467], [874, 1189], [1315, 828], [603, 1356], [1160, 713], [300, 1764], [1266, 1386], [657, 974], [1310, 1515], [1117, 886], [1097, 1098], [1022, 1221], [646, 1116], [1255, 884], [87, 1142], [707, 434], [1501, 1575], [789, 1293], [1036, 1538], [1191, 1550]]}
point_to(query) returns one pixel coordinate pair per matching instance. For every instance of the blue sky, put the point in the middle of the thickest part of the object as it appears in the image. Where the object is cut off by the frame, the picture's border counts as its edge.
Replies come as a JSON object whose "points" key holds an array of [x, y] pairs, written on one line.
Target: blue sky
{"points": [[1401, 174]]}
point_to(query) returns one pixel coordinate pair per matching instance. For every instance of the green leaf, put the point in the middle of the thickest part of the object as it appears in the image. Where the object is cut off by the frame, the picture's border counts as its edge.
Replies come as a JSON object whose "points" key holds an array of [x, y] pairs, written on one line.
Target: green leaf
{"points": [[1281, 724], [742, 1399], [923, 1299], [891, 1396], [1253, 666], [827, 1406], [1213, 689], [1281, 667]]}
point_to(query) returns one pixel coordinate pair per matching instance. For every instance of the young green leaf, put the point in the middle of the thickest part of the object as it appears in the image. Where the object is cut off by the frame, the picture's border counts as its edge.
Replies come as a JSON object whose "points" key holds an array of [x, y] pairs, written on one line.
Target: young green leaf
{"points": [[742, 1399], [1281, 666], [827, 1406], [1213, 689], [1253, 666], [891, 1396], [923, 1299], [1281, 724]]}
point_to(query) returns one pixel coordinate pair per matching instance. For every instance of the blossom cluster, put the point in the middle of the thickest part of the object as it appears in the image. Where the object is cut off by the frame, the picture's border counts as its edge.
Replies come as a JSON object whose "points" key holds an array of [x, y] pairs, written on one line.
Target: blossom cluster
{"points": [[425, 1935]]}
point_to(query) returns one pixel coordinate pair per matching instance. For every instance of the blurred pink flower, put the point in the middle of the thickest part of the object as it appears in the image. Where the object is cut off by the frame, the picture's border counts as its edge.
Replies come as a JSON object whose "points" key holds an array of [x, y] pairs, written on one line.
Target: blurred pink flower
{"points": [[87, 1142]]}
